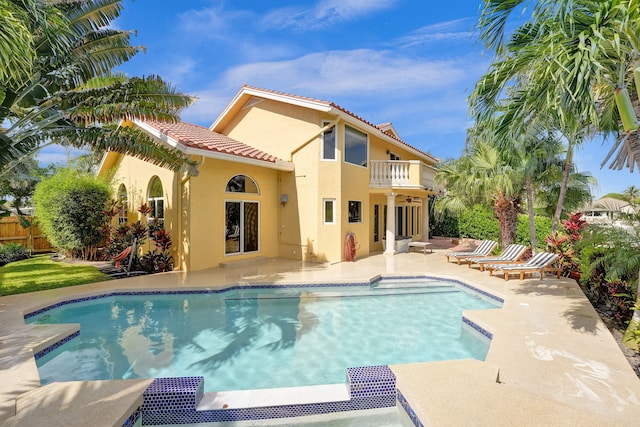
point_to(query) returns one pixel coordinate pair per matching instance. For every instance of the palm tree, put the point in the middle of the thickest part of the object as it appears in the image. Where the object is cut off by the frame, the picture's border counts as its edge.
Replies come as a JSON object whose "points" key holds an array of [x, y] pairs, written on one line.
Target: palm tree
{"points": [[71, 97], [481, 176], [566, 62], [632, 195], [578, 59]]}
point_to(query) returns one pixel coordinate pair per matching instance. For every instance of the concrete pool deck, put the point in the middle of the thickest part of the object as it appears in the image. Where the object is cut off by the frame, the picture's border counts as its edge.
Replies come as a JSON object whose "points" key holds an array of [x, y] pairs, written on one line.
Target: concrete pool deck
{"points": [[552, 361]]}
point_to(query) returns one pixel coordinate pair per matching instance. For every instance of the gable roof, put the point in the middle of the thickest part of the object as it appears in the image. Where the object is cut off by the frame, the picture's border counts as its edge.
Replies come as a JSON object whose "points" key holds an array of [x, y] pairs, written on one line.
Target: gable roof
{"points": [[198, 140], [382, 131]]}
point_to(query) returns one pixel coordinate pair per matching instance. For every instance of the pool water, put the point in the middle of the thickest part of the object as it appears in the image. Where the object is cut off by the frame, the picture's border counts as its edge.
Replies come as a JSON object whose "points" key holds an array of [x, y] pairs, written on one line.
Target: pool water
{"points": [[263, 338]]}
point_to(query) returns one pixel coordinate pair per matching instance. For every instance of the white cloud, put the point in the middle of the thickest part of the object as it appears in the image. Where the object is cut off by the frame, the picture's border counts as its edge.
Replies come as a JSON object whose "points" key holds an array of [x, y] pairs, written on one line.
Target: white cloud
{"points": [[323, 14], [363, 72], [214, 23], [455, 30]]}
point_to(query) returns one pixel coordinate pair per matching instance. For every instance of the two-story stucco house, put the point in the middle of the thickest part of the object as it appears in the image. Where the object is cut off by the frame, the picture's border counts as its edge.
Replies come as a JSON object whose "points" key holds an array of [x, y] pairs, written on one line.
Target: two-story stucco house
{"points": [[280, 176]]}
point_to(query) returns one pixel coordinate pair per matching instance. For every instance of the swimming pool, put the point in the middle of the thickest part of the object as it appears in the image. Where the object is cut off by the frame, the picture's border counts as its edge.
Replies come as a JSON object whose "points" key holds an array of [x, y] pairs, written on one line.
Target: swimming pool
{"points": [[267, 336]]}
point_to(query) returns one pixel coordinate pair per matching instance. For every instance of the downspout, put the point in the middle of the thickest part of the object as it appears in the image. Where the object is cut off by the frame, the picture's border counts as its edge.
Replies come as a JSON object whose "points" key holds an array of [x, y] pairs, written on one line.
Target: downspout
{"points": [[183, 181], [317, 134]]}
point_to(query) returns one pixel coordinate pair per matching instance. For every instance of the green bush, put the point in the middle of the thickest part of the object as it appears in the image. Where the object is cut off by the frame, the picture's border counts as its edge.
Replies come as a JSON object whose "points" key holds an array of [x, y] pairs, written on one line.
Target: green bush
{"points": [[71, 210], [542, 226], [12, 252], [479, 223]]}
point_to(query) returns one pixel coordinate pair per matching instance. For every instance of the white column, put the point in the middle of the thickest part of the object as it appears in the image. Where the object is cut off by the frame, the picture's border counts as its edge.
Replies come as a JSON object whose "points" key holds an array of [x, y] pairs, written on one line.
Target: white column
{"points": [[390, 233], [425, 219]]}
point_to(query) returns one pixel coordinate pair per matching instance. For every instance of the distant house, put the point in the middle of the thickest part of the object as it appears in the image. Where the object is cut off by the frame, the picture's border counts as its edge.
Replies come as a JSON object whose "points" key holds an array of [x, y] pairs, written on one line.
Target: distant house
{"points": [[607, 210], [280, 175]]}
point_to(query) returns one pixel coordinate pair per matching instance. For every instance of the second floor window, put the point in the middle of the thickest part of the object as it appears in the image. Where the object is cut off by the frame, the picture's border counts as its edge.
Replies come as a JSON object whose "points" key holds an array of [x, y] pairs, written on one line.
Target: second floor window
{"points": [[329, 143], [355, 146]]}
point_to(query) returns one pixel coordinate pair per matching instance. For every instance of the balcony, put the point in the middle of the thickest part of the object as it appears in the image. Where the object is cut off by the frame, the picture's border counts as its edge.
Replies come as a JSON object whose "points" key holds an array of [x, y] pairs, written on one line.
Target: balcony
{"points": [[401, 174]]}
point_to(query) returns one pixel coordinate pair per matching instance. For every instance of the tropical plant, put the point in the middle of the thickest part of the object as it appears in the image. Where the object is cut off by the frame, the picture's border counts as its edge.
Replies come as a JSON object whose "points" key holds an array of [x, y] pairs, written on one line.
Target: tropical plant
{"points": [[482, 176], [593, 45], [612, 254], [64, 91], [564, 243], [12, 252]]}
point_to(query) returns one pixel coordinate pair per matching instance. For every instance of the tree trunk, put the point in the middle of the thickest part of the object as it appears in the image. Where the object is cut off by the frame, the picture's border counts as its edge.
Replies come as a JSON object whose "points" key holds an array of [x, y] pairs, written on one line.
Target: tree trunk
{"points": [[563, 187], [507, 210], [532, 218]]}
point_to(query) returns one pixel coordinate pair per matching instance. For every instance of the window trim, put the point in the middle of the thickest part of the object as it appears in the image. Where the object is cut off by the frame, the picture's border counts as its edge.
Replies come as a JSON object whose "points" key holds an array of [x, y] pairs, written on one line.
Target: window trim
{"points": [[153, 201], [335, 143], [360, 219], [366, 136], [333, 211], [241, 229]]}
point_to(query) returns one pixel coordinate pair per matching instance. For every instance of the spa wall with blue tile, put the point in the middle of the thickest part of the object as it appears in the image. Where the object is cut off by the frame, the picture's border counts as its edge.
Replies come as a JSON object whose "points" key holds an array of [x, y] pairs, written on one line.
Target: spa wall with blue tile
{"points": [[175, 400]]}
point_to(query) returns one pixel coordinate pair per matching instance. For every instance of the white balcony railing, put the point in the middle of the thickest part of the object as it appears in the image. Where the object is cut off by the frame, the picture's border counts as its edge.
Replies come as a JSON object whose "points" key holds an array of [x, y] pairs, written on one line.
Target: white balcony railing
{"points": [[401, 173]]}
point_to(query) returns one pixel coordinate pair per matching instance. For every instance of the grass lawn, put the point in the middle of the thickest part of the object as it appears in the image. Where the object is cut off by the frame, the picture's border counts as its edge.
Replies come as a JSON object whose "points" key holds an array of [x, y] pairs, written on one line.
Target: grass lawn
{"points": [[40, 273]]}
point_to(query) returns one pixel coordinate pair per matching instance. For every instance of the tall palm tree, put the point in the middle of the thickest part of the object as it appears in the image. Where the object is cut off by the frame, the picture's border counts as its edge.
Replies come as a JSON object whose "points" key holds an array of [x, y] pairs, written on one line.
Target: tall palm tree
{"points": [[566, 61], [580, 58], [71, 97], [481, 176]]}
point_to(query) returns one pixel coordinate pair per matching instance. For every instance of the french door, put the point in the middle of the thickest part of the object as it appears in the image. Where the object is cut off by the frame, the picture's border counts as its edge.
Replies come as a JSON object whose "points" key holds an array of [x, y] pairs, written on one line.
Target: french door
{"points": [[242, 228]]}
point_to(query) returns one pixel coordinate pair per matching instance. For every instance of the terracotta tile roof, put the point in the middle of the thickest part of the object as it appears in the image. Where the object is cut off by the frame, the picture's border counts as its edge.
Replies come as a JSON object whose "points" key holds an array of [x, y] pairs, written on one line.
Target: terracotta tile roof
{"points": [[195, 136], [344, 110]]}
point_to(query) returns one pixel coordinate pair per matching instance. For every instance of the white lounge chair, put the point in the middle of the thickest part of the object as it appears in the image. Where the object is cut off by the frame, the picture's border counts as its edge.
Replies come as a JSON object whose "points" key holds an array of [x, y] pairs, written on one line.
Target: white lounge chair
{"points": [[539, 263], [484, 249], [510, 255]]}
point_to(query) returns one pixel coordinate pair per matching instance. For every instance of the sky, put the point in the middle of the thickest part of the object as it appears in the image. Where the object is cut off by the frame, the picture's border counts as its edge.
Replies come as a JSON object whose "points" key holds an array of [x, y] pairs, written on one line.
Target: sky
{"points": [[409, 62]]}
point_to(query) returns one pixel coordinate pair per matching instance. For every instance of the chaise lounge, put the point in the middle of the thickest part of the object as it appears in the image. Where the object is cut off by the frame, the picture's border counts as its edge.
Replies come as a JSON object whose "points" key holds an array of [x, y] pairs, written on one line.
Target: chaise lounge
{"points": [[539, 263], [483, 250], [509, 256]]}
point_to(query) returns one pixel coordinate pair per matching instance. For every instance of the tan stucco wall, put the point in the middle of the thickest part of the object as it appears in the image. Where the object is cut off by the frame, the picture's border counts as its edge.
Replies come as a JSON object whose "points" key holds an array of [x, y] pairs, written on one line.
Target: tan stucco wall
{"points": [[206, 212], [198, 232], [136, 176]]}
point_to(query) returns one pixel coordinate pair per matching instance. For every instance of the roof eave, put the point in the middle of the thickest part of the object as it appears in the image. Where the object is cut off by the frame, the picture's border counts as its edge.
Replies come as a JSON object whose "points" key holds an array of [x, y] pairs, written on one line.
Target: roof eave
{"points": [[247, 91], [349, 118], [278, 164]]}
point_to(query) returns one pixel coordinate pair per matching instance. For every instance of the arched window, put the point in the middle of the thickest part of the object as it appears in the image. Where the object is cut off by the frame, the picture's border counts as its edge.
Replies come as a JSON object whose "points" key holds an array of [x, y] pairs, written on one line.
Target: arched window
{"points": [[156, 200], [242, 184], [123, 208], [242, 223]]}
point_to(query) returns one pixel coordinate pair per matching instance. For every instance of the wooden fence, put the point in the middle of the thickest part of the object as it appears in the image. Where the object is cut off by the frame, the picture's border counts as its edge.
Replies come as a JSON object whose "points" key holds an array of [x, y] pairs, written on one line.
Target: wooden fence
{"points": [[31, 238]]}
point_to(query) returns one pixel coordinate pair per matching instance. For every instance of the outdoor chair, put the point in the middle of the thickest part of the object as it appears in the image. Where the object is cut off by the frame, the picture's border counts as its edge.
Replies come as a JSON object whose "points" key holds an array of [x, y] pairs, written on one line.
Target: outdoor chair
{"points": [[484, 249], [509, 256], [539, 263], [131, 252]]}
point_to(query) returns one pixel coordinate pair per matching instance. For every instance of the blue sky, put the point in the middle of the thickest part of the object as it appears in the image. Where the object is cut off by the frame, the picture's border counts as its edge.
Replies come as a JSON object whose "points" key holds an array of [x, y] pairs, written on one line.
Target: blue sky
{"points": [[410, 62]]}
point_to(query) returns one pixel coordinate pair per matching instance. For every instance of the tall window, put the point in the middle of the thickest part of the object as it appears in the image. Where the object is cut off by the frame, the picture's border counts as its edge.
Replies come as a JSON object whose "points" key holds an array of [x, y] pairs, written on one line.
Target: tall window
{"points": [[329, 207], [376, 223], [399, 221], [355, 211], [242, 225], [355, 146], [329, 143], [156, 201], [123, 208]]}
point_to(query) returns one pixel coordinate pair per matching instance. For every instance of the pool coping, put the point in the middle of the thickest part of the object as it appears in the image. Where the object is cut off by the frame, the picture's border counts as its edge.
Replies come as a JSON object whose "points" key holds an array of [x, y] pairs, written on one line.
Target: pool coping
{"points": [[290, 401], [534, 318]]}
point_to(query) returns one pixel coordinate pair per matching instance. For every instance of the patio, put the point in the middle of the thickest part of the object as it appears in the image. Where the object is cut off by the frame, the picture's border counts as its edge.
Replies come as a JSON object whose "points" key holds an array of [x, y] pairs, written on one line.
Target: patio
{"points": [[552, 361]]}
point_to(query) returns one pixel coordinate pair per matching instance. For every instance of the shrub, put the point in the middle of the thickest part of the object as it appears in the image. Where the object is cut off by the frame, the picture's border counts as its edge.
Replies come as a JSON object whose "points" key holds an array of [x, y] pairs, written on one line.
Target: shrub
{"points": [[71, 209], [12, 252], [442, 225], [479, 223], [542, 226]]}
